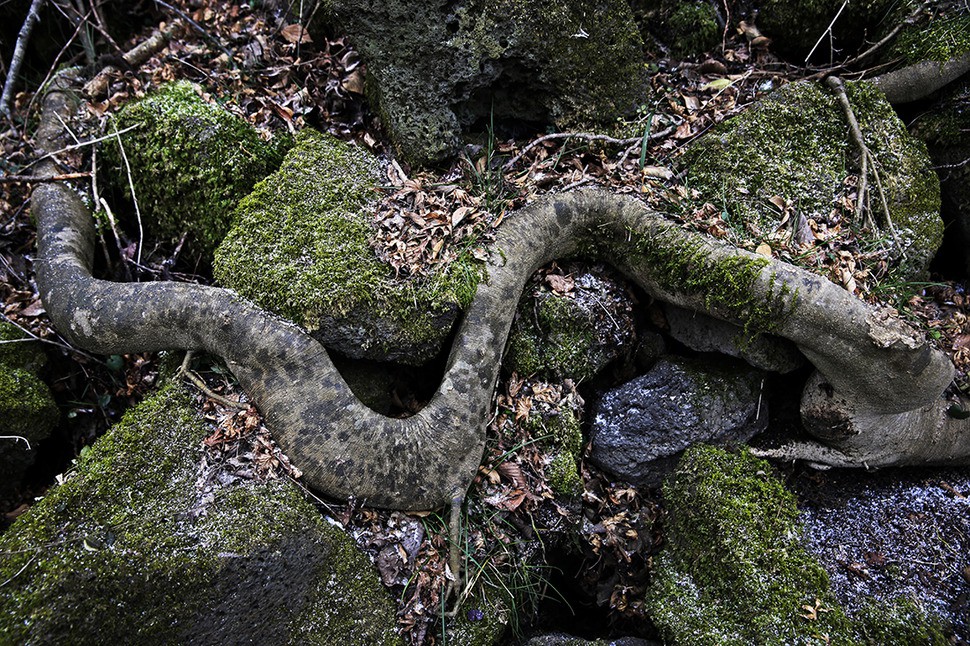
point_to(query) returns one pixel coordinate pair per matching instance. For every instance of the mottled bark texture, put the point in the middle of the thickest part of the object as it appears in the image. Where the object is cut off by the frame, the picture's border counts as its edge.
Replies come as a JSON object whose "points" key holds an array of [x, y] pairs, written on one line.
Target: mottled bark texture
{"points": [[345, 449], [919, 80]]}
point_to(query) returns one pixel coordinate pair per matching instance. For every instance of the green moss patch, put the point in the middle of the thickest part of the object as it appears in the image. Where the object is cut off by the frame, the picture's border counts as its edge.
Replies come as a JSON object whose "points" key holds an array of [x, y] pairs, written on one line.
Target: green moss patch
{"points": [[734, 571], [684, 265], [940, 39], [795, 144], [128, 550], [191, 162], [300, 248], [437, 70]]}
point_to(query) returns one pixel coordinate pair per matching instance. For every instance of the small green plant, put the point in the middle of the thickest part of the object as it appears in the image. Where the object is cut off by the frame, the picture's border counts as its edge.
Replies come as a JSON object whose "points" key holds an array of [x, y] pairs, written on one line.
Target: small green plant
{"points": [[486, 173]]}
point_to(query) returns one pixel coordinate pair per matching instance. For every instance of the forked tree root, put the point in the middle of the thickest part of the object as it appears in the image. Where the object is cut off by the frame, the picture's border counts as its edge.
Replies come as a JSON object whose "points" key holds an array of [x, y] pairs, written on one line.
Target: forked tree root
{"points": [[880, 368]]}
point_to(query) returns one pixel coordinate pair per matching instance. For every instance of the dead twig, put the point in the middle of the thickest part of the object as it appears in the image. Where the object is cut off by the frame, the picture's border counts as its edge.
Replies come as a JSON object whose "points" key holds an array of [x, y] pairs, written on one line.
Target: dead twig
{"points": [[888, 38], [134, 57], [866, 159], [585, 136], [17, 59], [12, 179], [201, 385], [17, 437], [828, 31]]}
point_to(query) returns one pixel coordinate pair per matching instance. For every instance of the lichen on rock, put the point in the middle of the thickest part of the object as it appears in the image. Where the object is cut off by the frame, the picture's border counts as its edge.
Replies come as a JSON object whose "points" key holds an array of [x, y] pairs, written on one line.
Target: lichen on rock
{"points": [[300, 247], [437, 69], [28, 413], [129, 550], [795, 144], [734, 570], [190, 162]]}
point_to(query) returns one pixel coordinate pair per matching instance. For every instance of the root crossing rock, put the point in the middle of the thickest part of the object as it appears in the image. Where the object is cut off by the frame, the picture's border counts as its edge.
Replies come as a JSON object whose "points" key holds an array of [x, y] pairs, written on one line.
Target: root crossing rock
{"points": [[345, 449]]}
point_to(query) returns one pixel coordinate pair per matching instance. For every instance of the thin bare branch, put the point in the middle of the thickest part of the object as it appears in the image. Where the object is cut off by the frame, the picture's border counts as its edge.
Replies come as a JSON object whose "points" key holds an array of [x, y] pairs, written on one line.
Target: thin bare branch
{"points": [[17, 59]]}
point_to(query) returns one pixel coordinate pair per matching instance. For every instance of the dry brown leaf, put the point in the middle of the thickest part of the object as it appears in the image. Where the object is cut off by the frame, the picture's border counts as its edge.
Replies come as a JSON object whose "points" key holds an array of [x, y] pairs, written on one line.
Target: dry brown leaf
{"points": [[560, 284], [354, 82], [764, 249], [296, 34]]}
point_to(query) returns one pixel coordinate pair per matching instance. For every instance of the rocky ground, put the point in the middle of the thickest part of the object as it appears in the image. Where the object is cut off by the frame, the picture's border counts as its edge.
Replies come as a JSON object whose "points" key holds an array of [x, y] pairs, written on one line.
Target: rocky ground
{"points": [[880, 534]]}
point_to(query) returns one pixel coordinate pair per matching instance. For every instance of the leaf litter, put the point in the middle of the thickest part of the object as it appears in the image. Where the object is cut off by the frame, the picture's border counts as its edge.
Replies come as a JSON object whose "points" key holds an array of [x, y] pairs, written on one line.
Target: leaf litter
{"points": [[283, 79]]}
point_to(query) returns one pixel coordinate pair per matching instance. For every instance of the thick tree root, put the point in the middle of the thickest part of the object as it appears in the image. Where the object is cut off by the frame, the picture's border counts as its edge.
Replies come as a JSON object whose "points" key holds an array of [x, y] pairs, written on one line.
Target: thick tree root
{"points": [[878, 364], [919, 80]]}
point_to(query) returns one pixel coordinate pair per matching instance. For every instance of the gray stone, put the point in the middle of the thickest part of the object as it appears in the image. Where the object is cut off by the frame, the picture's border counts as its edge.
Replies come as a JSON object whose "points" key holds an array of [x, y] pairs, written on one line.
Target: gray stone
{"points": [[640, 428], [436, 69], [28, 413], [130, 550], [704, 333]]}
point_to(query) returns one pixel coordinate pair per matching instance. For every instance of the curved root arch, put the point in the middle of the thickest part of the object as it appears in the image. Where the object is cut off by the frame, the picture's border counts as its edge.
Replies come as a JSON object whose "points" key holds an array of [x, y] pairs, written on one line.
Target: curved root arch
{"points": [[876, 363]]}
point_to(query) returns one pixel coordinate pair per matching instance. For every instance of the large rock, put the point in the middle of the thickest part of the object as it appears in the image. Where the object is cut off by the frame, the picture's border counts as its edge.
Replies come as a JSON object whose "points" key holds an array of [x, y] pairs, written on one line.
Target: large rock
{"points": [[571, 326], [28, 413], [129, 550], [640, 428], [300, 248], [734, 572], [795, 144], [190, 162], [945, 127], [436, 69]]}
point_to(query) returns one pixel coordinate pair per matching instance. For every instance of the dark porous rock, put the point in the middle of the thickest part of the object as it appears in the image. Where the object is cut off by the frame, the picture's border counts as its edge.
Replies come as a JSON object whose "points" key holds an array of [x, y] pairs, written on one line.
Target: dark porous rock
{"points": [[640, 428], [571, 325], [704, 333], [436, 69]]}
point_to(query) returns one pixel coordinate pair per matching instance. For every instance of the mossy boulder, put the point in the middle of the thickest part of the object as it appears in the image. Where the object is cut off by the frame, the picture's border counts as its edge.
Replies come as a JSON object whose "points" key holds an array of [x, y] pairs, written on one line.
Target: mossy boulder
{"points": [[436, 70], [572, 333], [191, 161], [734, 571], [942, 38], [686, 28], [27, 408], [945, 127], [300, 248], [129, 550], [795, 144]]}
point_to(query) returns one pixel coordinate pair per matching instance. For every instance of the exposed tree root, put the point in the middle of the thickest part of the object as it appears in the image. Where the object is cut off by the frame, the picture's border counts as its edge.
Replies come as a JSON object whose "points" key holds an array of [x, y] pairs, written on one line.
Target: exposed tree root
{"points": [[881, 368], [922, 79]]}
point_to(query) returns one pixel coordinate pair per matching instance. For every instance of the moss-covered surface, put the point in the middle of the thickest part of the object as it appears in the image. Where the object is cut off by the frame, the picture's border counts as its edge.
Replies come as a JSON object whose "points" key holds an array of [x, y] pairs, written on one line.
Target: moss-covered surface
{"points": [[128, 550], [438, 69], [686, 28], [300, 248], [734, 572], [944, 37], [555, 339], [683, 265], [562, 438], [795, 144], [27, 408], [16, 349], [191, 162]]}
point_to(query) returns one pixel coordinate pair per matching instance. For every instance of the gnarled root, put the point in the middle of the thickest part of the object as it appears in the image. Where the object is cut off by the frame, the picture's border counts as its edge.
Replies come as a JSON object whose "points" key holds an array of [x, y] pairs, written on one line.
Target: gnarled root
{"points": [[870, 438], [884, 371]]}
